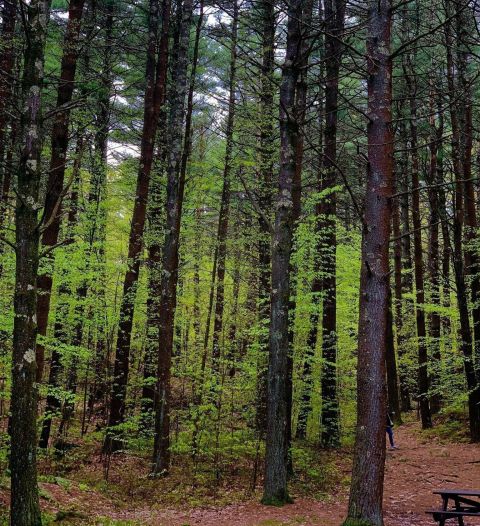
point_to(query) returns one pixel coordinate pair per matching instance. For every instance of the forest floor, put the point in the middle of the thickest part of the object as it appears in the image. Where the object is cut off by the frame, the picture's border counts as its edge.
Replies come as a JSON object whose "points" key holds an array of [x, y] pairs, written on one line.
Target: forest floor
{"points": [[424, 462]]}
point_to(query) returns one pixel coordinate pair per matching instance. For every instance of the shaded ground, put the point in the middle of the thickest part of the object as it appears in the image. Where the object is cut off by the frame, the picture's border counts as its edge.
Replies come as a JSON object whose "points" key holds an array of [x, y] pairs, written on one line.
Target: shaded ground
{"points": [[412, 473]]}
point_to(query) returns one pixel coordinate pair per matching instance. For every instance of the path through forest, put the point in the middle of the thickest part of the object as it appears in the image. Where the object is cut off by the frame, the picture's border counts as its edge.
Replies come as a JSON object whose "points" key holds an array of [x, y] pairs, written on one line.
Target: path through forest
{"points": [[412, 473]]}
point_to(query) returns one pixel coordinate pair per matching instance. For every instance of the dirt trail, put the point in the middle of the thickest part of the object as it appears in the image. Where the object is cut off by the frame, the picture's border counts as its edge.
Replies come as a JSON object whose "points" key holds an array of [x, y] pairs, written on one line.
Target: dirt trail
{"points": [[412, 473]]}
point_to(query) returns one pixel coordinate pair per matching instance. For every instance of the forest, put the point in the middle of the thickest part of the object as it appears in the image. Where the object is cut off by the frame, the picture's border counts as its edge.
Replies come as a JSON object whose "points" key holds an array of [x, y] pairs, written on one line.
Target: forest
{"points": [[237, 239]]}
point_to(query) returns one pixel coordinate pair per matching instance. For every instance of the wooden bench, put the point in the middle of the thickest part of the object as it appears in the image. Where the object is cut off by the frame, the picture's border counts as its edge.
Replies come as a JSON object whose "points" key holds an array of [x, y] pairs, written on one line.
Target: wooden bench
{"points": [[464, 503]]}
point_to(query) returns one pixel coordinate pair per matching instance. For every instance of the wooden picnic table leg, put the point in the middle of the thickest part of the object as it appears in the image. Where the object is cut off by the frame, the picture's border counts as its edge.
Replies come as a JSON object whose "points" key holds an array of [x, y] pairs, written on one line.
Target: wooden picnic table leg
{"points": [[458, 507]]}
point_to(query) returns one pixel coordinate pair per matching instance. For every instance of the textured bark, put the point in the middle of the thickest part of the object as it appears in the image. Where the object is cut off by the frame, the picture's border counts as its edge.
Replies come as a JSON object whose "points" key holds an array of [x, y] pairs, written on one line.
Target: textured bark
{"points": [[366, 491], [397, 261], [266, 159], [334, 23], [154, 95], [434, 260], [317, 282], [155, 208], [275, 485], [25, 510], [422, 378], [7, 62], [56, 174], [466, 344], [168, 294]]}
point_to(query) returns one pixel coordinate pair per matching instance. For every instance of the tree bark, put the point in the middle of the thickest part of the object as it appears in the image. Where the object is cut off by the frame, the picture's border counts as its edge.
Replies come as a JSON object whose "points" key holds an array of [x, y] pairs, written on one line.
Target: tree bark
{"points": [[275, 485], [422, 378], [334, 23], [366, 491], [56, 174], [266, 160], [25, 509], [168, 297], [7, 63]]}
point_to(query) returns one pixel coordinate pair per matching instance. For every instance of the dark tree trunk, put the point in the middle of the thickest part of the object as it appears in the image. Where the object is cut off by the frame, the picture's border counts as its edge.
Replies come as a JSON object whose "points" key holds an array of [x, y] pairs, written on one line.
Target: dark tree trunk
{"points": [[266, 160], [275, 485], [434, 261], [168, 293], [422, 377], [334, 22], [473, 385], [155, 208], [397, 261], [406, 259], [7, 63], [391, 366], [317, 282], [154, 96], [56, 175], [366, 492], [25, 510]]}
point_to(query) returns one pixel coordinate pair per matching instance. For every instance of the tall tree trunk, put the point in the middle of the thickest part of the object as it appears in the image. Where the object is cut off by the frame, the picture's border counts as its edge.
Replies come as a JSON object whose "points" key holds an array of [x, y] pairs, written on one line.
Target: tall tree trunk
{"points": [[56, 174], [366, 491], [275, 485], [25, 509], [266, 160], [406, 269], [155, 207], [434, 261], [422, 377], [154, 96], [317, 282], [334, 23], [7, 63], [168, 297], [473, 385]]}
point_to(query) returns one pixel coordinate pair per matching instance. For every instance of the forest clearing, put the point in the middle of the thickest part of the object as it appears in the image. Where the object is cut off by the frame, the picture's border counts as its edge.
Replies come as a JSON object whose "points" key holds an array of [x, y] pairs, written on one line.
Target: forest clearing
{"points": [[239, 262]]}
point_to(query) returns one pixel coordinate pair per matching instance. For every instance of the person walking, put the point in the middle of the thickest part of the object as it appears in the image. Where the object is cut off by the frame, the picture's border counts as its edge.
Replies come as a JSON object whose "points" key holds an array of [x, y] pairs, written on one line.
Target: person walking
{"points": [[390, 432]]}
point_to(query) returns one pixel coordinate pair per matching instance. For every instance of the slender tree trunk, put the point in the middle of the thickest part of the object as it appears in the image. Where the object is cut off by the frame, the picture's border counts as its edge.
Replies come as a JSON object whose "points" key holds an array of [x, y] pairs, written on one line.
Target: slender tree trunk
{"points": [[334, 23], [422, 378], [24, 507], [397, 261], [275, 485], [434, 262], [168, 298], [155, 208], [154, 95], [56, 175], [266, 160], [406, 275], [473, 385], [366, 491], [7, 63], [317, 282]]}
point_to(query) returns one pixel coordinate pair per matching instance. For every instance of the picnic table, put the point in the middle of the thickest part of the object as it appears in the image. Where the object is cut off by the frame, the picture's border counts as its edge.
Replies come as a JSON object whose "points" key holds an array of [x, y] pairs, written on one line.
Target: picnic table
{"points": [[456, 504]]}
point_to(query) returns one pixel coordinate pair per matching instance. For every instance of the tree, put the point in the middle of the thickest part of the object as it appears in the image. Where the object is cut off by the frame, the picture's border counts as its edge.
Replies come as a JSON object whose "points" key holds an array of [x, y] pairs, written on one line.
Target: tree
{"points": [[366, 491], [275, 486], [25, 509], [175, 190]]}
